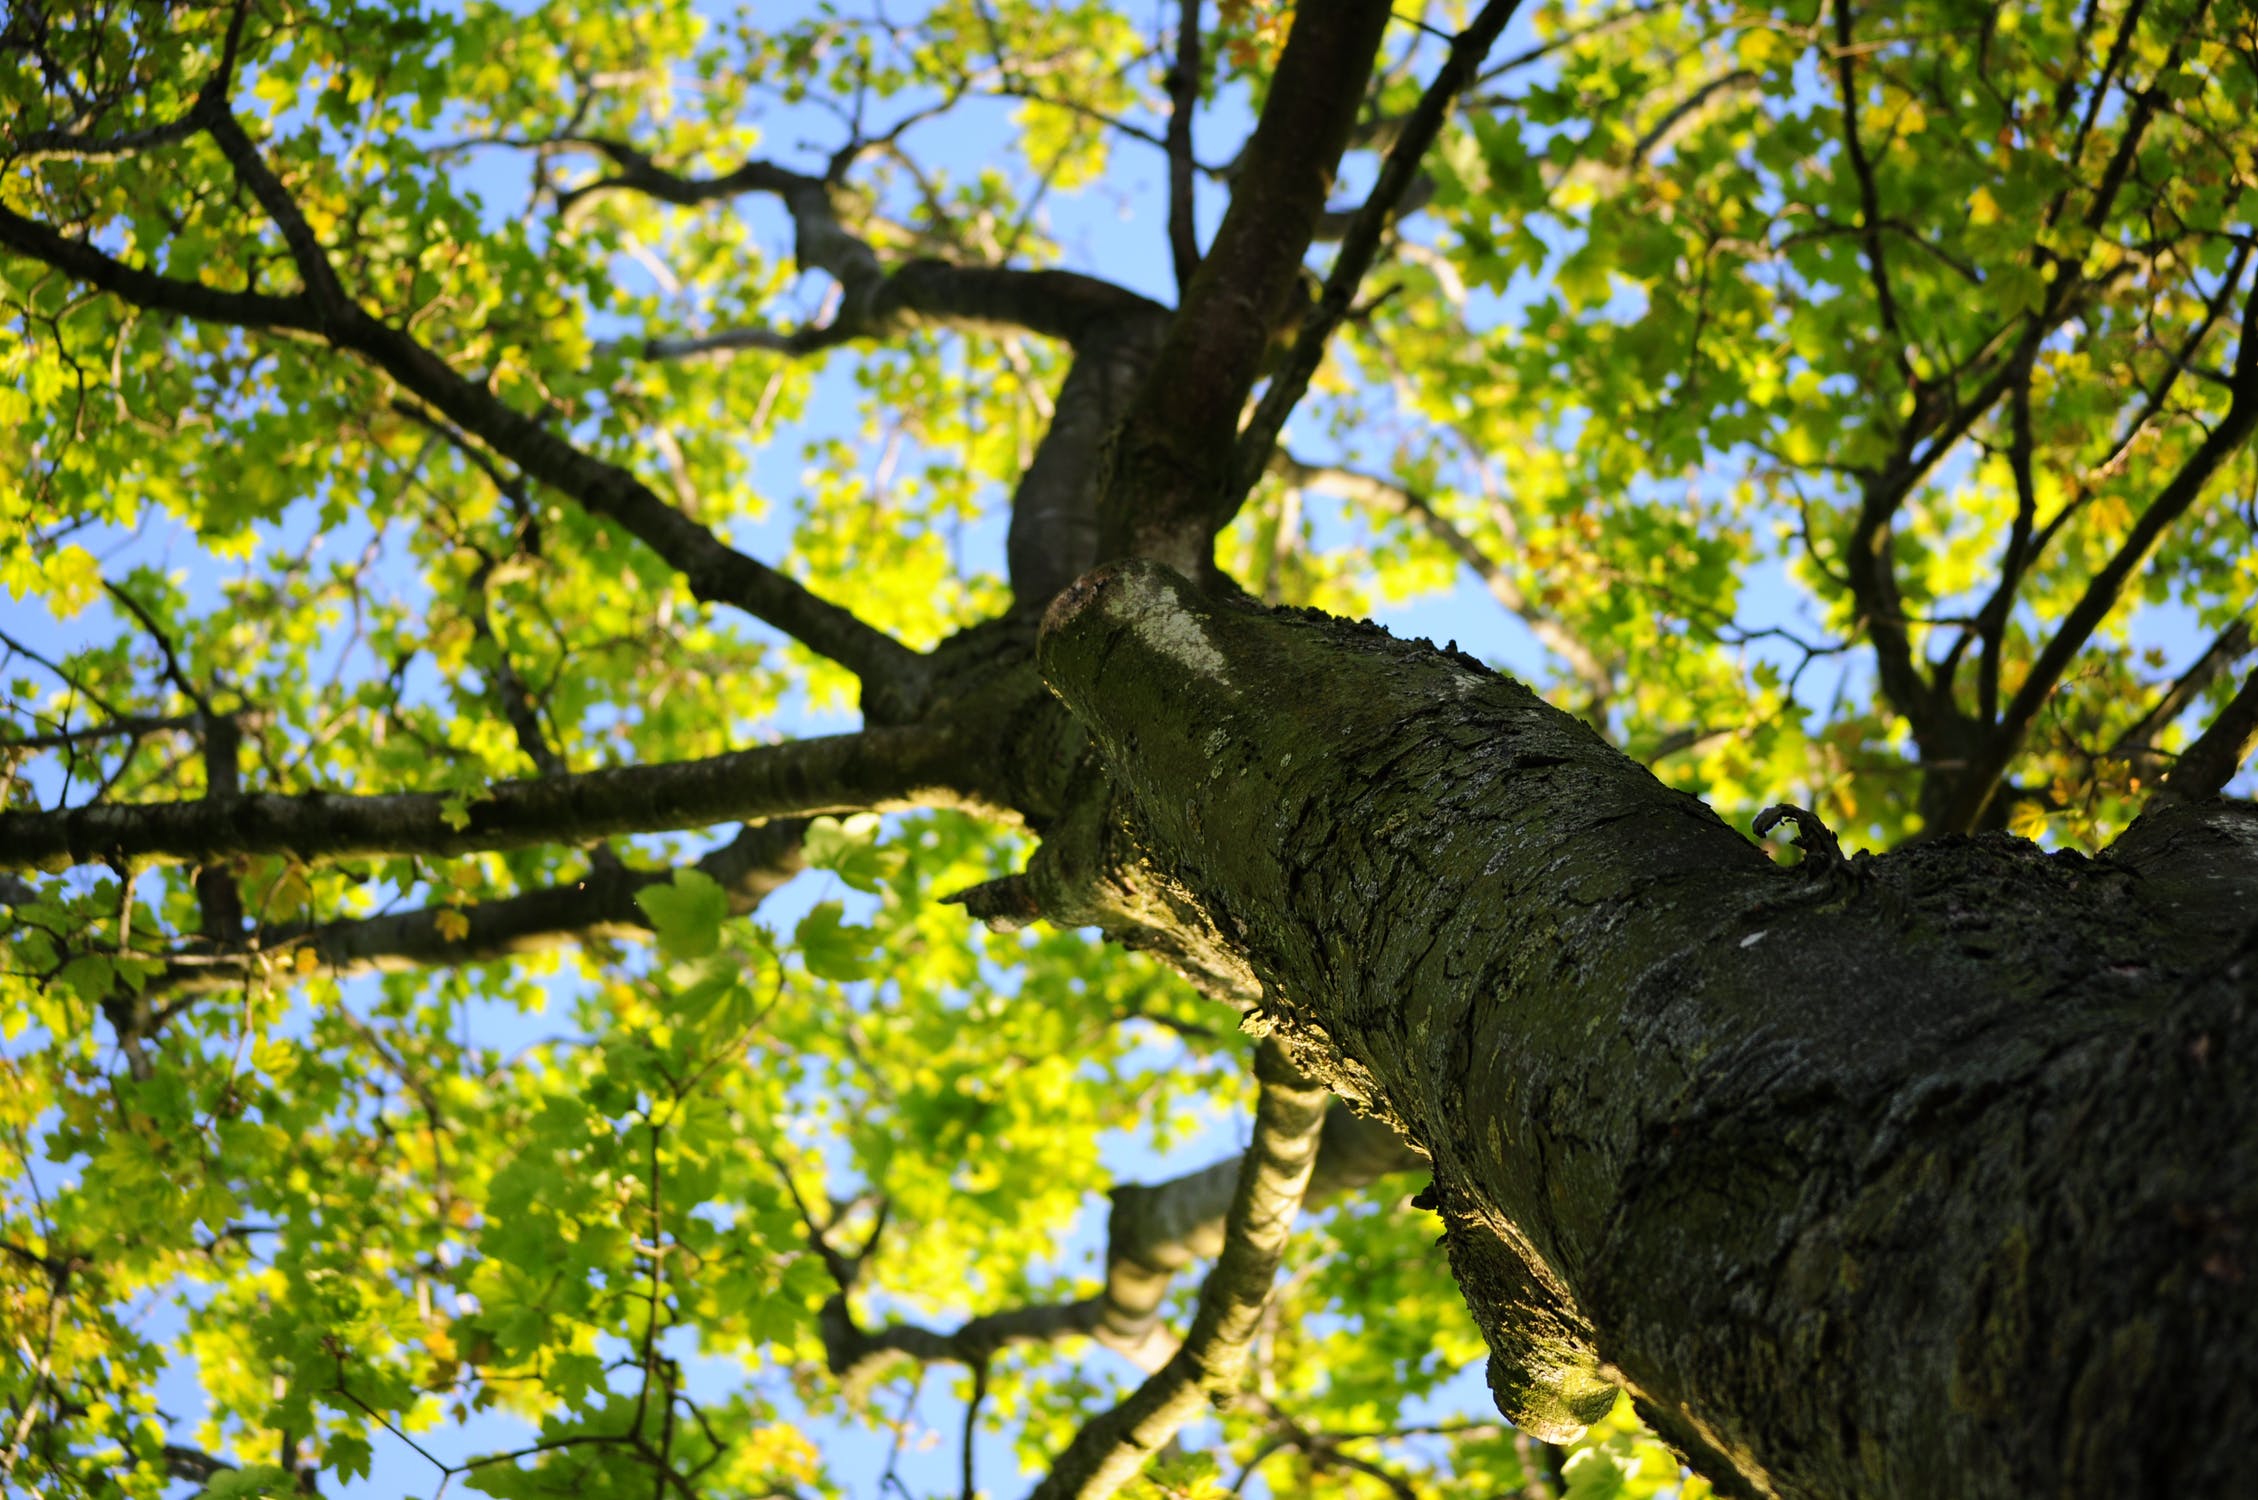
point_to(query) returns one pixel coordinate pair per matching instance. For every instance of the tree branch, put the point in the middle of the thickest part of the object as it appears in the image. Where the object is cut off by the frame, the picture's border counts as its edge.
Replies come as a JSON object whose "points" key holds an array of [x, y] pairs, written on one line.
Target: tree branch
{"points": [[1174, 458], [1152, 1233], [2106, 586], [1869, 199], [716, 572], [1503, 586], [1110, 1450], [1183, 98], [2206, 766], [2228, 647], [887, 768], [601, 905], [874, 302], [1358, 247]]}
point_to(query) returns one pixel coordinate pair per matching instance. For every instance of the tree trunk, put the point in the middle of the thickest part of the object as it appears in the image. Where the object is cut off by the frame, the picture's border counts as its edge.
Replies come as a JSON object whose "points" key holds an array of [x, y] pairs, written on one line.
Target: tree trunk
{"points": [[1927, 1175]]}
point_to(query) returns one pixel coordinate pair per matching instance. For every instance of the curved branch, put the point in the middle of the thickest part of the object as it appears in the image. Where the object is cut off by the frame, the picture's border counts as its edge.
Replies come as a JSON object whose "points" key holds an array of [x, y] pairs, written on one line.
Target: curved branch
{"points": [[874, 301], [884, 769], [1152, 1233], [716, 572], [1869, 199], [1275, 1172]]}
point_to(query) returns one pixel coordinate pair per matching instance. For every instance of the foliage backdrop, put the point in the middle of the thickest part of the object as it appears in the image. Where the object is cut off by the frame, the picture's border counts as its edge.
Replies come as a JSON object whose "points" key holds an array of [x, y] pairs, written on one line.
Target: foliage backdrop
{"points": [[1835, 406]]}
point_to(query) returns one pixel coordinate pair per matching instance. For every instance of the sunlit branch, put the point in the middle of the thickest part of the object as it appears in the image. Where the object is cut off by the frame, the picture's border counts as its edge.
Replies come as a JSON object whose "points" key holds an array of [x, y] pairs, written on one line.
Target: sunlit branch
{"points": [[878, 769], [1152, 1234], [1275, 1172]]}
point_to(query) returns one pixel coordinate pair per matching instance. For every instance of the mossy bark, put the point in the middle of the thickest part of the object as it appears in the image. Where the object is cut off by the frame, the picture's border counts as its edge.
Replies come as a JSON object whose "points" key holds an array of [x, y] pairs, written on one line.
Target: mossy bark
{"points": [[1928, 1174]]}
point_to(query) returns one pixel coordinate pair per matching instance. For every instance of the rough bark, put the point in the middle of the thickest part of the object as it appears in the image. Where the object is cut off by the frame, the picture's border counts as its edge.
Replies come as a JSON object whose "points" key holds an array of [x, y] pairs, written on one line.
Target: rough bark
{"points": [[1919, 1175]]}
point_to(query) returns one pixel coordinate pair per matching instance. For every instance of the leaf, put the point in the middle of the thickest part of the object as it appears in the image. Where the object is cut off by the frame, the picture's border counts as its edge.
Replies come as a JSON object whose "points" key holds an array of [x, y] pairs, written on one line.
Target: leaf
{"points": [[349, 1455], [258, 1480], [1595, 1474], [686, 914], [830, 948], [849, 848]]}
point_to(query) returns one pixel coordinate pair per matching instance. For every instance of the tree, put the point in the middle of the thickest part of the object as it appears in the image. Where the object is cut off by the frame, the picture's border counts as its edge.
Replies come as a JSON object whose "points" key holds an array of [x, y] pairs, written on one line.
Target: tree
{"points": [[1854, 407]]}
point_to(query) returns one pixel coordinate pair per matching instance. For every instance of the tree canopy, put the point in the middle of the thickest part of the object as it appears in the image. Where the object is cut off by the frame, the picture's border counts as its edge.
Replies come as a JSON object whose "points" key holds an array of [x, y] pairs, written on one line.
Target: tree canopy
{"points": [[558, 942]]}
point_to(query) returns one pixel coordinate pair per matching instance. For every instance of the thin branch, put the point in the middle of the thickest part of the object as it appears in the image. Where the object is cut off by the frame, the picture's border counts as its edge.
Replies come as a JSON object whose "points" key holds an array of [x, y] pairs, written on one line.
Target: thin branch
{"points": [[1495, 576], [716, 572], [2107, 585], [136, 725], [2228, 647], [1184, 82], [1869, 199], [601, 905]]}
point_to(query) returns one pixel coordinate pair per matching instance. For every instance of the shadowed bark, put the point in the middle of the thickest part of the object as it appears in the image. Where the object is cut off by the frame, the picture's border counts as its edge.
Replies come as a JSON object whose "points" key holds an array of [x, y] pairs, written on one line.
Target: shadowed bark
{"points": [[1921, 1174]]}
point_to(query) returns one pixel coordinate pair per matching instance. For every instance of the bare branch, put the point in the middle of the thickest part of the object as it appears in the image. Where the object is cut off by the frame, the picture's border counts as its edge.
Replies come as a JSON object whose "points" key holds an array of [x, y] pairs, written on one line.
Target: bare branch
{"points": [[1869, 202], [716, 571], [2107, 585], [601, 905], [1152, 1234], [2228, 647], [1175, 458], [1183, 98]]}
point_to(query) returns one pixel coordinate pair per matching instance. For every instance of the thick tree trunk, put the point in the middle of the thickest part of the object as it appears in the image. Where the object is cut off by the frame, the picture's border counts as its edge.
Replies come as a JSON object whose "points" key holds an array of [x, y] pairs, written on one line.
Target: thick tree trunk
{"points": [[1923, 1175]]}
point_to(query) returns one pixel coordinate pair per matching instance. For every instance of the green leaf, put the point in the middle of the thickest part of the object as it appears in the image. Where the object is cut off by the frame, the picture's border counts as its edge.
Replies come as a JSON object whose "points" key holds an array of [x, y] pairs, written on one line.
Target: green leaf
{"points": [[849, 848], [258, 1480], [830, 948], [687, 914]]}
